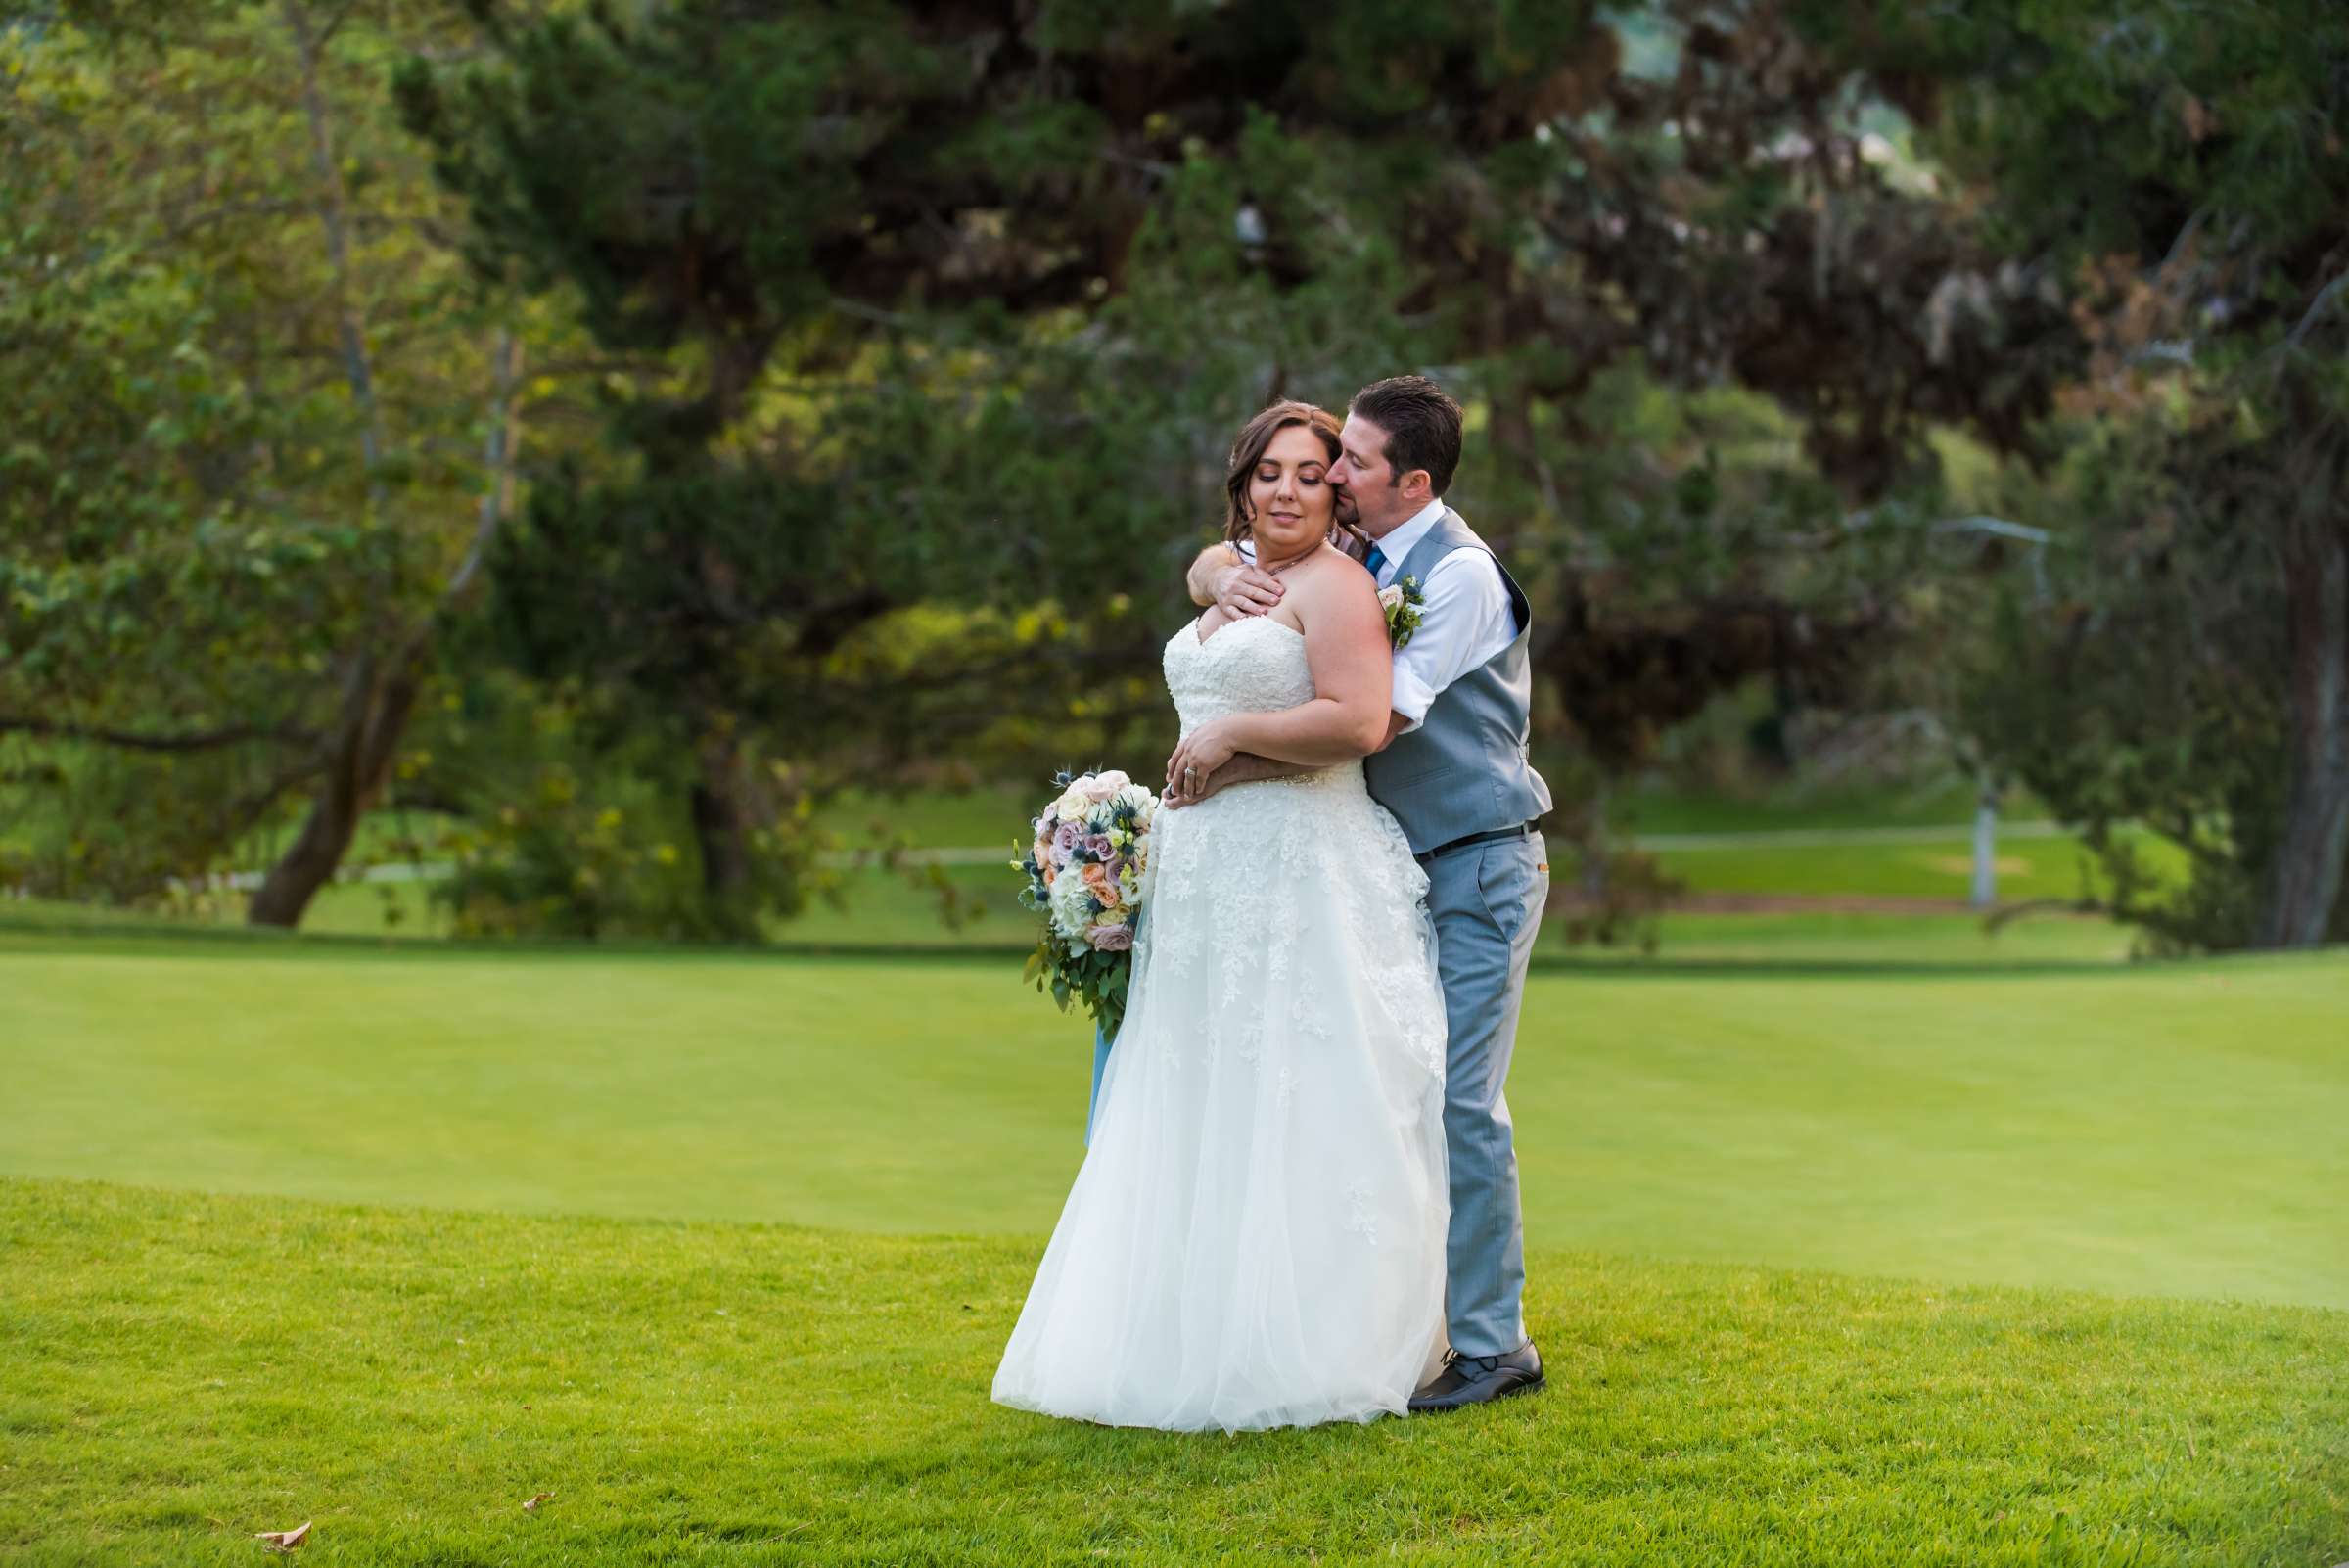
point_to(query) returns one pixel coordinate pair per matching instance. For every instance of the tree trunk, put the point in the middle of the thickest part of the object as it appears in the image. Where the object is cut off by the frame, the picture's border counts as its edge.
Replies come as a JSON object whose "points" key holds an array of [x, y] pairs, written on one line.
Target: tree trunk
{"points": [[722, 822], [375, 713], [374, 710], [1594, 844], [376, 706], [2306, 879]]}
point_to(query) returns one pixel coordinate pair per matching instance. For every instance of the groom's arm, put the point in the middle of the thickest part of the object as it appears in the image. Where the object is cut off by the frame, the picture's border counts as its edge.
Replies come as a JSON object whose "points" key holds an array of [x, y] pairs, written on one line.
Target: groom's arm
{"points": [[1245, 768]]}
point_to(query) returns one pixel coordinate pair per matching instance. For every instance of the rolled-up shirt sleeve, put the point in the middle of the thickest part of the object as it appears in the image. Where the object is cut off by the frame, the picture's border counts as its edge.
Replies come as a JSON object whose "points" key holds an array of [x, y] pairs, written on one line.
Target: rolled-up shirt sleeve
{"points": [[1465, 620]]}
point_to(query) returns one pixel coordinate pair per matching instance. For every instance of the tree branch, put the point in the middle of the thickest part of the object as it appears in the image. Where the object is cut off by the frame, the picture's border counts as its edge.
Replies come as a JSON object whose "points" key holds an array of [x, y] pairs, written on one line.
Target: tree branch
{"points": [[129, 740], [2325, 297], [497, 459], [331, 204]]}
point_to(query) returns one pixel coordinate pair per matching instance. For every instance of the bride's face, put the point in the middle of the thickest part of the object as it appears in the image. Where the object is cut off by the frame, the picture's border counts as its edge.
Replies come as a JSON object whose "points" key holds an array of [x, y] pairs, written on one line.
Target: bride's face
{"points": [[1290, 494]]}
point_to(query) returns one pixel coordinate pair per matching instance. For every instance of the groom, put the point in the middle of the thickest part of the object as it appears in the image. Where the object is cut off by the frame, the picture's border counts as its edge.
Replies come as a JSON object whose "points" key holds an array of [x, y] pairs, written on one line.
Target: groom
{"points": [[1453, 770]]}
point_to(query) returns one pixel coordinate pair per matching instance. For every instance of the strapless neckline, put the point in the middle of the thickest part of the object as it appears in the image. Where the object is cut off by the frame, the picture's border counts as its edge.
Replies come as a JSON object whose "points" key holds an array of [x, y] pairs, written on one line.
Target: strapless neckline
{"points": [[1198, 641]]}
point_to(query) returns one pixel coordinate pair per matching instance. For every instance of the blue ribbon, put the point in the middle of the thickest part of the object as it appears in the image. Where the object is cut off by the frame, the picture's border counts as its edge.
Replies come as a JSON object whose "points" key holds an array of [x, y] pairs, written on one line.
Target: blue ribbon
{"points": [[1103, 1040]]}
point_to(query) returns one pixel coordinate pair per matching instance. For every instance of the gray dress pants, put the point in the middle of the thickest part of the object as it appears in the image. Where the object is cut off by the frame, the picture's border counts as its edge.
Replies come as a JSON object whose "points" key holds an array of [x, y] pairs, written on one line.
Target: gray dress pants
{"points": [[1485, 902]]}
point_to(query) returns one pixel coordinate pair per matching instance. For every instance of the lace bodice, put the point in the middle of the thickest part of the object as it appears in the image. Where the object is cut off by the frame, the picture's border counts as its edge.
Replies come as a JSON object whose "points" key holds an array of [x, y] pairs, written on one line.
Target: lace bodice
{"points": [[1255, 665]]}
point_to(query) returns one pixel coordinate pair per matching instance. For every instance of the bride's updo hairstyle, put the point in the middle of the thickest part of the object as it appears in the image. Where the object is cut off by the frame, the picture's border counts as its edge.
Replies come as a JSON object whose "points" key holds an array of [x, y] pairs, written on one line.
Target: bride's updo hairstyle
{"points": [[1239, 519]]}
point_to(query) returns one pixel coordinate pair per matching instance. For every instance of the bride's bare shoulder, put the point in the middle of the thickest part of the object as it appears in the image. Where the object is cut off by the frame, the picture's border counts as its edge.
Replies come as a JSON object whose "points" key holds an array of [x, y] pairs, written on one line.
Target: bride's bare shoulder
{"points": [[1334, 578], [1333, 585]]}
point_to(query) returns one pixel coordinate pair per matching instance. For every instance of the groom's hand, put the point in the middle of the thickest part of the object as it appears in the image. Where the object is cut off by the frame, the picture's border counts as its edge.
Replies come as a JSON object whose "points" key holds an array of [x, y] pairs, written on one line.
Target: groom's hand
{"points": [[1224, 578], [1243, 590]]}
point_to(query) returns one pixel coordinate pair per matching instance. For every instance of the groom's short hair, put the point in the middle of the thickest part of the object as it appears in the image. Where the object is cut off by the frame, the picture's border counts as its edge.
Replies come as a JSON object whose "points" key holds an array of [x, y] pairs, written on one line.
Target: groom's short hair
{"points": [[1422, 426]]}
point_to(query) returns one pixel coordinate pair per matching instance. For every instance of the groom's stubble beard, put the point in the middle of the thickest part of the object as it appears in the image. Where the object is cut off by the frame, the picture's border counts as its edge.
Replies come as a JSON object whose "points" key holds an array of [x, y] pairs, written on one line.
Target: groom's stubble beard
{"points": [[1391, 516]]}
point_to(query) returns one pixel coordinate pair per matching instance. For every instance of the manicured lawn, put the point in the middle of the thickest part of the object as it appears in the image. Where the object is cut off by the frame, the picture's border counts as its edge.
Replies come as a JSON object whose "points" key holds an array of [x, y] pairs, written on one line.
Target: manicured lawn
{"points": [[2154, 1130], [1824, 940], [1722, 1163], [883, 906], [1942, 868], [178, 1372]]}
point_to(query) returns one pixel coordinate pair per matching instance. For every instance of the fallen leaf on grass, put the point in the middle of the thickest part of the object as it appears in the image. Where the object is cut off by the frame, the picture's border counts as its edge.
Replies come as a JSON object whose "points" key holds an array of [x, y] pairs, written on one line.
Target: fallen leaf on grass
{"points": [[532, 1506], [283, 1539]]}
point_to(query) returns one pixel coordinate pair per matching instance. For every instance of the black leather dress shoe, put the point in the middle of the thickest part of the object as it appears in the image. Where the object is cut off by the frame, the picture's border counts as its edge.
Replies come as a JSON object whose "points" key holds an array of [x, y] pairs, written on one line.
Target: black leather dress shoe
{"points": [[1476, 1379]]}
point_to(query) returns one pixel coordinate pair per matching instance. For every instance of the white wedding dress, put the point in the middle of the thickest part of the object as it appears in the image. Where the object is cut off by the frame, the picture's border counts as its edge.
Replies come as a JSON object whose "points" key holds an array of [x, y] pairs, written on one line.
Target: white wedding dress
{"points": [[1255, 1237]]}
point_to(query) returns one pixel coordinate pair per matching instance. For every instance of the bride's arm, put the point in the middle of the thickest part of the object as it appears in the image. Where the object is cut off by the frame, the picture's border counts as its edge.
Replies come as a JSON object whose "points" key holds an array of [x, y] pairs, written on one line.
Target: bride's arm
{"points": [[1349, 715]]}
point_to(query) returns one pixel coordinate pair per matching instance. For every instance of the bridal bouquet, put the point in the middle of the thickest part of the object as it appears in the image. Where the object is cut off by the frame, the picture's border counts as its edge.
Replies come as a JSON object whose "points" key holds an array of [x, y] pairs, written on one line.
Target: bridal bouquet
{"points": [[1084, 877]]}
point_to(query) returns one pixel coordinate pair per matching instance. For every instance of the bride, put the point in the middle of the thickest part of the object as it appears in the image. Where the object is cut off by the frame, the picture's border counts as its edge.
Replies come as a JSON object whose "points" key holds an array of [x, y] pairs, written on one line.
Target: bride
{"points": [[1255, 1237]]}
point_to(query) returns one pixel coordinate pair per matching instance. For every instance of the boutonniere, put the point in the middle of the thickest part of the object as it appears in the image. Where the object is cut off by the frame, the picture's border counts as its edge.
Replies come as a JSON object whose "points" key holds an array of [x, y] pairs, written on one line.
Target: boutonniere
{"points": [[1402, 602]]}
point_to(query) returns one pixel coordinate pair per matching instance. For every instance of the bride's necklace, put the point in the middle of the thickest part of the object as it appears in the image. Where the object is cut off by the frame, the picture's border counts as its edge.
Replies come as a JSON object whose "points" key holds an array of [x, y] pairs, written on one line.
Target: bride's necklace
{"points": [[1276, 571]]}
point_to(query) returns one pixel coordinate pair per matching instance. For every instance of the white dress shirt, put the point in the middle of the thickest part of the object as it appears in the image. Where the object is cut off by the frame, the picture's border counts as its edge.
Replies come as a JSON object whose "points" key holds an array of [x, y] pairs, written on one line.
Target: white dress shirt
{"points": [[1465, 620]]}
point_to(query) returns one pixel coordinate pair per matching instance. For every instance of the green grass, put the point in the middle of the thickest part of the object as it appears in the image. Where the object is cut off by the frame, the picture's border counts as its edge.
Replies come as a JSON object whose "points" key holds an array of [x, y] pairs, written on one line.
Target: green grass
{"points": [[882, 907], [941, 818], [1654, 805], [1808, 941], [1943, 868], [2168, 1130], [1722, 1167], [883, 911], [182, 1372]]}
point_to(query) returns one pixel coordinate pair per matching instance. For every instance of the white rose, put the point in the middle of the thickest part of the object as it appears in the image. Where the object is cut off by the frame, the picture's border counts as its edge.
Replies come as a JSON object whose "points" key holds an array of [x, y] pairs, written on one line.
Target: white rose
{"points": [[1071, 904], [1074, 804], [1105, 786], [1388, 598]]}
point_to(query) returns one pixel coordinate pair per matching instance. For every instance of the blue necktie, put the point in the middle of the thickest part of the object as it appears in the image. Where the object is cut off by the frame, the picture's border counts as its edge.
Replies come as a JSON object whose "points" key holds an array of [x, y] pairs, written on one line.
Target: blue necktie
{"points": [[1376, 562]]}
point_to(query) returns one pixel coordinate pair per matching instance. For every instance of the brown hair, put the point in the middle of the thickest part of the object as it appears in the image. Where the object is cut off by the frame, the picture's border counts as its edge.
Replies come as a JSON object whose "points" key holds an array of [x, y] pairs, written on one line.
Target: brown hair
{"points": [[1240, 520], [1422, 426]]}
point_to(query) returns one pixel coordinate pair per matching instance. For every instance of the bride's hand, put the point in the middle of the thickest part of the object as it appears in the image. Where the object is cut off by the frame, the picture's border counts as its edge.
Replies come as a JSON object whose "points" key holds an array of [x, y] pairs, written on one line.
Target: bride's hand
{"points": [[1201, 752]]}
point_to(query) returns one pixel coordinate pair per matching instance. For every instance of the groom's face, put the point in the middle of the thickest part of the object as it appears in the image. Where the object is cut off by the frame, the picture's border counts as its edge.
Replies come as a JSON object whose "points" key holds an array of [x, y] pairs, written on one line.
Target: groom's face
{"points": [[1365, 477]]}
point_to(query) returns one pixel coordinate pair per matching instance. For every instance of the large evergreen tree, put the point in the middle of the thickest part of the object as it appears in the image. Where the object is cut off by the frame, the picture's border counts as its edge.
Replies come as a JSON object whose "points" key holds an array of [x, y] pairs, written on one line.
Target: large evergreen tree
{"points": [[964, 302], [2184, 166]]}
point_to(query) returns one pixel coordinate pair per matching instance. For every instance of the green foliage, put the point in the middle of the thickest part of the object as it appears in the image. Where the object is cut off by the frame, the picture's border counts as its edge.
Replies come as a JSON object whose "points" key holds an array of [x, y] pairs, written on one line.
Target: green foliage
{"points": [[2110, 127], [918, 337], [891, 501], [159, 570], [221, 533], [2194, 672], [551, 861], [2150, 683]]}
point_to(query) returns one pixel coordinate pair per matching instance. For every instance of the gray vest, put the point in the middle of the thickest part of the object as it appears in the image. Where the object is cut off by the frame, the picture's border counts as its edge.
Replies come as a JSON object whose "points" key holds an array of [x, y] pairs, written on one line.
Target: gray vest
{"points": [[1465, 769]]}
